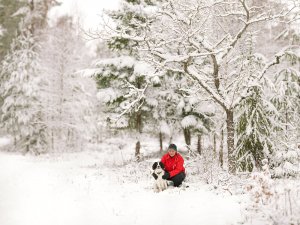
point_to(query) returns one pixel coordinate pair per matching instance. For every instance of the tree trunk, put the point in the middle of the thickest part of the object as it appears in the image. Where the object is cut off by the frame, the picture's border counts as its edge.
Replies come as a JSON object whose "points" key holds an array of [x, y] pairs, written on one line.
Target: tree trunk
{"points": [[139, 122], [138, 151], [31, 25], [139, 131], [230, 141], [215, 144], [52, 139], [199, 144], [221, 149], [187, 136], [161, 141]]}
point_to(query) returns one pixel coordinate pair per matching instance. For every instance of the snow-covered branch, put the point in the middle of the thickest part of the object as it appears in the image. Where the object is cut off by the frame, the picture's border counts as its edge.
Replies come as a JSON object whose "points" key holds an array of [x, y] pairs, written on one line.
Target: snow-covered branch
{"points": [[138, 101], [192, 72]]}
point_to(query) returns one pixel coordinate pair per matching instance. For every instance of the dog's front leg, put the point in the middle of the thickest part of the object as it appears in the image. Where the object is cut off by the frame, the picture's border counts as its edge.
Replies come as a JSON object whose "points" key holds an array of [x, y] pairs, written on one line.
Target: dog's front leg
{"points": [[165, 185], [160, 188]]}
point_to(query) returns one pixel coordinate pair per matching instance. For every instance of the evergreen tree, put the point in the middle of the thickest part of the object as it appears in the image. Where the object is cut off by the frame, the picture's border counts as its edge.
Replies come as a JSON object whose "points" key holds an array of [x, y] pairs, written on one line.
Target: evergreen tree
{"points": [[126, 76], [285, 160], [194, 114], [22, 114], [253, 126], [9, 24], [253, 132], [284, 93]]}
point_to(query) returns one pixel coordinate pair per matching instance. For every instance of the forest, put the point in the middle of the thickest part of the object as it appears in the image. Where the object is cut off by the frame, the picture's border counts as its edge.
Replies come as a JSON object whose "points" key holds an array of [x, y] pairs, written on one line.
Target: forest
{"points": [[219, 78]]}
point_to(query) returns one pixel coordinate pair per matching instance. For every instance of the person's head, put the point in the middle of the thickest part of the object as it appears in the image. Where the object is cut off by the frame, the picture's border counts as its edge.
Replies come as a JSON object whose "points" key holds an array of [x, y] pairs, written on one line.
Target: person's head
{"points": [[172, 149]]}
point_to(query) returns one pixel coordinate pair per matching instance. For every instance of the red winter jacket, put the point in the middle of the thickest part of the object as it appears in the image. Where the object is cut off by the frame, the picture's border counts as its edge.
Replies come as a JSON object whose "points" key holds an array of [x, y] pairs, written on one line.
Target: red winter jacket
{"points": [[174, 165]]}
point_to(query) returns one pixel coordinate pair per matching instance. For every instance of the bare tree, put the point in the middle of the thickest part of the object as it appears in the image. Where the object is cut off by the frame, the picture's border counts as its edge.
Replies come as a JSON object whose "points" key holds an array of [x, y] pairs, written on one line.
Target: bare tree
{"points": [[181, 39]]}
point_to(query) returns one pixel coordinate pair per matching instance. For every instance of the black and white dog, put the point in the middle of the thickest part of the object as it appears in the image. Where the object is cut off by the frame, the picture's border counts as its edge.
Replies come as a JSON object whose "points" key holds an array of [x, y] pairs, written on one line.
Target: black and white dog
{"points": [[158, 171]]}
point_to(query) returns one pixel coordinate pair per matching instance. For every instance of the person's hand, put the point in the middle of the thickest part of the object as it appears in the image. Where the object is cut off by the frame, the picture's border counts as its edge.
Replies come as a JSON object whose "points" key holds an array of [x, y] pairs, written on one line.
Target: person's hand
{"points": [[166, 176]]}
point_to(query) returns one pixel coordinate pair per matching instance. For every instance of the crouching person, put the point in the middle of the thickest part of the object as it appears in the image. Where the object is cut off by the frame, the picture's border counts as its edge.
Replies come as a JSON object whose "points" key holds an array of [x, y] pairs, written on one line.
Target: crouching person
{"points": [[173, 163]]}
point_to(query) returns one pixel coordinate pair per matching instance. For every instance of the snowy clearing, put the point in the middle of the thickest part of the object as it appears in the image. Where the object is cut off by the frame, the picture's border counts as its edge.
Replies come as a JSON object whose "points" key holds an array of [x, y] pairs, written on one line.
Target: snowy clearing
{"points": [[80, 188]]}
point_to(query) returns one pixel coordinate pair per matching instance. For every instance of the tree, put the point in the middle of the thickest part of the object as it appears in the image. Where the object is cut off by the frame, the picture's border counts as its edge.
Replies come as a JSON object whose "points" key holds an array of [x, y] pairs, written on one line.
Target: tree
{"points": [[34, 15], [181, 40], [253, 132], [68, 101], [9, 24], [253, 126], [286, 100], [126, 75], [22, 114], [285, 97]]}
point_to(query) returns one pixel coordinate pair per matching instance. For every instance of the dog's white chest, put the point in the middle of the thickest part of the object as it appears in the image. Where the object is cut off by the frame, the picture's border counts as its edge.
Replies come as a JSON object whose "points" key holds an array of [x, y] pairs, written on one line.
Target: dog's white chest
{"points": [[160, 184]]}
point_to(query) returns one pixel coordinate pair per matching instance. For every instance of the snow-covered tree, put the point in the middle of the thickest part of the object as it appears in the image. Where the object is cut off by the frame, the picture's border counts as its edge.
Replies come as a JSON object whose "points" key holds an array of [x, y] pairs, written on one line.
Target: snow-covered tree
{"points": [[34, 15], [253, 126], [8, 24], [195, 114], [286, 100], [253, 132], [126, 76], [286, 97], [22, 114], [163, 93], [68, 98], [183, 40]]}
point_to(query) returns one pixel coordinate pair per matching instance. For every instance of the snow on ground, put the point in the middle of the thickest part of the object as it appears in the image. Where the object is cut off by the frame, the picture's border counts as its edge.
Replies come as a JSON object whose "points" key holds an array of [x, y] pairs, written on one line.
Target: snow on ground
{"points": [[5, 141], [86, 189]]}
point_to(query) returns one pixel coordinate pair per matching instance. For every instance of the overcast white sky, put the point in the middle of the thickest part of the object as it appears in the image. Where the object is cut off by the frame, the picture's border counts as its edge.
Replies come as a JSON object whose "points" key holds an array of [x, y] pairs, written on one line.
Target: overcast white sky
{"points": [[89, 11]]}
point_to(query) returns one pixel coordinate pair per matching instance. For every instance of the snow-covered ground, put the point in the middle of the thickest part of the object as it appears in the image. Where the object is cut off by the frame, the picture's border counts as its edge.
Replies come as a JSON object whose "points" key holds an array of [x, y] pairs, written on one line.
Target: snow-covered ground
{"points": [[89, 188]]}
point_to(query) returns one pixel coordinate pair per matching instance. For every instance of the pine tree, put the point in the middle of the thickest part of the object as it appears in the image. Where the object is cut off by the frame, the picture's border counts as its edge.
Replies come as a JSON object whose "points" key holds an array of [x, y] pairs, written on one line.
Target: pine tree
{"points": [[253, 125], [284, 93], [194, 114], [126, 76], [22, 114], [9, 24], [253, 128], [285, 160]]}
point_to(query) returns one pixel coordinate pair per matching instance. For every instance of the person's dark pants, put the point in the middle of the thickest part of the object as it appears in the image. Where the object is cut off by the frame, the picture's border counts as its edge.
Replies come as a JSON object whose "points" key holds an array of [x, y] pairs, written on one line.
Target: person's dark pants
{"points": [[177, 179]]}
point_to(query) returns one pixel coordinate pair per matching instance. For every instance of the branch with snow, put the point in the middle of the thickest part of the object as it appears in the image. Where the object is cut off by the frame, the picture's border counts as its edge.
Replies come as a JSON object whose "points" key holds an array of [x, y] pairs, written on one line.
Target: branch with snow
{"points": [[138, 101]]}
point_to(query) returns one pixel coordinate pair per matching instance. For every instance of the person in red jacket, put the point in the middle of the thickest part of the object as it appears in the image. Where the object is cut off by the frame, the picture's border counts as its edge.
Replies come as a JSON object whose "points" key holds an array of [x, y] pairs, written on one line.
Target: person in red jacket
{"points": [[173, 163]]}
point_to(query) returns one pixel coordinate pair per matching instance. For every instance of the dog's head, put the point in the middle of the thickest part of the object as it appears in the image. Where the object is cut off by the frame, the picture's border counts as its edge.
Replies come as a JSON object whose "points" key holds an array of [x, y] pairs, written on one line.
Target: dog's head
{"points": [[158, 167]]}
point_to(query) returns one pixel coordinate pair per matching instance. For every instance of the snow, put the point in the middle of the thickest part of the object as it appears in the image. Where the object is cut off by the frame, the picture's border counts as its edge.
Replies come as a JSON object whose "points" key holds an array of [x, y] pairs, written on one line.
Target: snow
{"points": [[119, 62], [165, 128], [5, 141], [108, 95], [189, 121], [85, 188], [142, 68], [21, 11], [2, 30]]}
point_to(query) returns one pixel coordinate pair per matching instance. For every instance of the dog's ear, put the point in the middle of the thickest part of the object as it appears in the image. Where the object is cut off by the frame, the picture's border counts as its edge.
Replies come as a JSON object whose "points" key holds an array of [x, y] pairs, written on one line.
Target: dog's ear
{"points": [[154, 166], [162, 165]]}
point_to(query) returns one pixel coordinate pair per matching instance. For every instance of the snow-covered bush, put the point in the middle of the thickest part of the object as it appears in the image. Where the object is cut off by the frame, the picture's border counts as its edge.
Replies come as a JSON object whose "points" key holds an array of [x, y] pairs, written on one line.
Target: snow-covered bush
{"points": [[286, 163], [260, 186], [272, 201]]}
